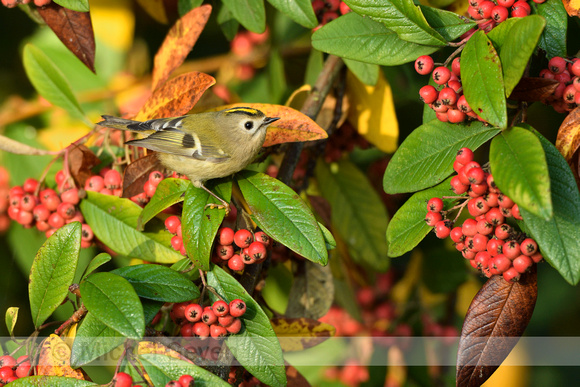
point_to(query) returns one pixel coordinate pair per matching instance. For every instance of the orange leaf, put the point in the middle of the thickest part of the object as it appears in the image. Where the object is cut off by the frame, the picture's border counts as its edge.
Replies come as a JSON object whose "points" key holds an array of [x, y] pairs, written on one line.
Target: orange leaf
{"points": [[54, 359], [178, 43], [293, 126], [297, 334], [74, 29], [176, 97], [568, 139], [572, 7]]}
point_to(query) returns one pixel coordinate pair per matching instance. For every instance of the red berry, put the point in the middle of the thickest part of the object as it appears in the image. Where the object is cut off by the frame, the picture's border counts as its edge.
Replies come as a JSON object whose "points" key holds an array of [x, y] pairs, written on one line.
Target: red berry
{"points": [[112, 179], [30, 185], [23, 369], [186, 380], [70, 196], [193, 312], [500, 263], [537, 257], [478, 190], [176, 243], [494, 216], [87, 234], [51, 201], [40, 213], [172, 223], [155, 178], [66, 210], [456, 66], [491, 199], [243, 238], [499, 13], [257, 251], [485, 8], [261, 236], [235, 326], [462, 105], [475, 175], [441, 75], [237, 307], [428, 94], [439, 107], [94, 183], [529, 247], [505, 3], [435, 205], [464, 155], [469, 227], [224, 252], [149, 189], [455, 116], [209, 317], [55, 220], [225, 236], [511, 275], [456, 235], [442, 229], [122, 379], [177, 313], [27, 203], [173, 383], [424, 64], [479, 242], [7, 361], [344, 9], [457, 166], [495, 246], [246, 257], [432, 218], [522, 9], [217, 331], [220, 308], [511, 249], [226, 321], [457, 186], [503, 231], [201, 330], [504, 201], [491, 184], [482, 259], [442, 117], [522, 263], [328, 17], [236, 263], [474, 12], [186, 330]]}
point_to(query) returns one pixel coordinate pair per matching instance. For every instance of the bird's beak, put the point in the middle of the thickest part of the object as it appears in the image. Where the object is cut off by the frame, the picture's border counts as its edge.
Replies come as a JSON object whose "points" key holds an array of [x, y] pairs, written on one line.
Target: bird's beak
{"points": [[269, 120]]}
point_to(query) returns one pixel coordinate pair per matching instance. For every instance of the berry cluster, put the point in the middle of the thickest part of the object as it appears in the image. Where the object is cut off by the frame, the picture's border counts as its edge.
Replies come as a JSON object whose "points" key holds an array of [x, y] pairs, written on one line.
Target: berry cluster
{"points": [[14, 3], [447, 100], [242, 46], [214, 321], [4, 189], [108, 182], [328, 10], [252, 248], [150, 187], [46, 209], [123, 379], [12, 369], [566, 71], [489, 13], [489, 243]]}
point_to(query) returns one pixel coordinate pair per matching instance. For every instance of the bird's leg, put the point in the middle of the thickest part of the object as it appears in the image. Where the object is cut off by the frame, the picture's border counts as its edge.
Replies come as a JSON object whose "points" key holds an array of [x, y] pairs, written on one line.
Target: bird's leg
{"points": [[224, 205]]}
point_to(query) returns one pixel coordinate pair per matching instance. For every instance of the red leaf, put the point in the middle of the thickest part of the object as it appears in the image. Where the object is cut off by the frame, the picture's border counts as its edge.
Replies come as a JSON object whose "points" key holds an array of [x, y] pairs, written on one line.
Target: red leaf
{"points": [[534, 89], [178, 43], [74, 29], [176, 97], [497, 317]]}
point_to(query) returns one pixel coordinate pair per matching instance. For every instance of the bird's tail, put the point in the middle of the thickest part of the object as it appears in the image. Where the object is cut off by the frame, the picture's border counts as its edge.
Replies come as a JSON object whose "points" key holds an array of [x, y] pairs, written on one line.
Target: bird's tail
{"points": [[118, 123]]}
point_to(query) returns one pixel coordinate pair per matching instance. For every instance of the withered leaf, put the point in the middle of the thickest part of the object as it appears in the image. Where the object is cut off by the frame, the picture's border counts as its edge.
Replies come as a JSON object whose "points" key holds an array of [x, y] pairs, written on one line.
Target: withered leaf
{"points": [[497, 317], [74, 29], [295, 378], [534, 89], [312, 291], [137, 173], [568, 139], [298, 334], [178, 43], [176, 97], [81, 160], [572, 7]]}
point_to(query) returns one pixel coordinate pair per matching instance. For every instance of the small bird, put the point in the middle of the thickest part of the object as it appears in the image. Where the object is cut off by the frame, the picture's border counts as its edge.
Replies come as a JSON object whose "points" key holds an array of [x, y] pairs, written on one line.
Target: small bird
{"points": [[202, 146]]}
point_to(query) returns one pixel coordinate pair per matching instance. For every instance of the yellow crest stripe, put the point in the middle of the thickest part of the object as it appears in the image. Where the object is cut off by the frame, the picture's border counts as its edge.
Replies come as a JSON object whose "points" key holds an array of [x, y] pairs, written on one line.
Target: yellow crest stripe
{"points": [[244, 110]]}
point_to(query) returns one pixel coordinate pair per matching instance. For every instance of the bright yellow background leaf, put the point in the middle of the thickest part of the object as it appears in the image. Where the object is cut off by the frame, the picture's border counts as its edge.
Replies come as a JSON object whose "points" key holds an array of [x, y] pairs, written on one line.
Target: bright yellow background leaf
{"points": [[372, 112]]}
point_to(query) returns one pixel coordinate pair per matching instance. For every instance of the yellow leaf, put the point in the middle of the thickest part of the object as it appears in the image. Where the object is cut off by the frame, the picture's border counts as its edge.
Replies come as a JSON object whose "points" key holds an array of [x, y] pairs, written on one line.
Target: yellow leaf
{"points": [[568, 140], [159, 349], [572, 7], [298, 334], [62, 131], [113, 23], [54, 359], [155, 9], [372, 112]]}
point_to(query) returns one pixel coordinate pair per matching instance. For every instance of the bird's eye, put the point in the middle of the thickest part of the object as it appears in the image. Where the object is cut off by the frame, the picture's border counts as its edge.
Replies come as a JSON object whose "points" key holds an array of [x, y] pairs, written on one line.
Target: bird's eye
{"points": [[249, 125]]}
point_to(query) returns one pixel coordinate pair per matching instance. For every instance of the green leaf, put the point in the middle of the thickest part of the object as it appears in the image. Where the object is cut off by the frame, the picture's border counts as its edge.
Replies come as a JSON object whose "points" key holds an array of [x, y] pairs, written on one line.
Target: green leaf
{"points": [[518, 47], [426, 156], [441, 270], [328, 238], [298, 10], [114, 222], [227, 23], [169, 192], [250, 13], [49, 381], [256, 347], [159, 283], [354, 37], [553, 40], [358, 213], [448, 24], [75, 5], [313, 67], [96, 262], [276, 77], [53, 271], [559, 237], [163, 369], [283, 215], [93, 339], [276, 291], [500, 33], [199, 225], [481, 75], [184, 6], [10, 318], [367, 73], [49, 81], [150, 309], [115, 303], [401, 16], [519, 168], [407, 227]]}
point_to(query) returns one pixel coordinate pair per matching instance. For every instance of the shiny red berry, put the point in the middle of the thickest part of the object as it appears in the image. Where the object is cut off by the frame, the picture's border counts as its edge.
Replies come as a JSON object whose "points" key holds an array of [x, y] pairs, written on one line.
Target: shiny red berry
{"points": [[201, 330], [122, 379], [424, 64], [171, 224], [529, 247], [220, 308], [193, 312], [441, 75], [236, 263], [235, 326], [243, 238], [237, 307], [522, 263], [428, 94]]}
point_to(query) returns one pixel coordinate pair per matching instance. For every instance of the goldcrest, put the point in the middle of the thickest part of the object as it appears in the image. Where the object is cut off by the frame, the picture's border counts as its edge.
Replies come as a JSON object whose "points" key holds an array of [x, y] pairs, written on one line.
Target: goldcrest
{"points": [[202, 146]]}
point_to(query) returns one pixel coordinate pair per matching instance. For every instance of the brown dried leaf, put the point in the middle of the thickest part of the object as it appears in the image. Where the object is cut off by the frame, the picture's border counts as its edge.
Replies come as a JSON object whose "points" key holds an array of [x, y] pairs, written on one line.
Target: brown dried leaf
{"points": [[176, 97], [309, 292], [497, 317], [157, 348], [178, 43], [74, 29], [81, 160], [295, 378], [568, 139], [298, 334], [293, 125], [572, 7], [534, 89], [137, 173], [54, 359]]}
